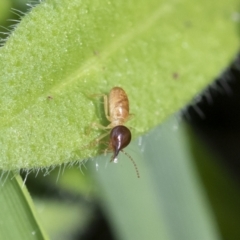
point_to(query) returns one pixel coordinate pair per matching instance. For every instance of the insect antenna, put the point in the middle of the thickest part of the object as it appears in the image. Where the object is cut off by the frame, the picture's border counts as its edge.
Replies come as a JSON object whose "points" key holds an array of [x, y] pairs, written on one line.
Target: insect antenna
{"points": [[134, 164]]}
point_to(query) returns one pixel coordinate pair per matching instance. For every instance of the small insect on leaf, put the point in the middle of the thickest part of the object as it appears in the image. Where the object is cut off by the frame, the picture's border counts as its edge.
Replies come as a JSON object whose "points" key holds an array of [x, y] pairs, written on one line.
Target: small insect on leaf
{"points": [[116, 108]]}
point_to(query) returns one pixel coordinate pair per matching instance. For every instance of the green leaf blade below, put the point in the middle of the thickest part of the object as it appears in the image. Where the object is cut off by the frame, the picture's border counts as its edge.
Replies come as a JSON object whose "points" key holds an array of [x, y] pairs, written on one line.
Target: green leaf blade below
{"points": [[168, 201], [18, 216]]}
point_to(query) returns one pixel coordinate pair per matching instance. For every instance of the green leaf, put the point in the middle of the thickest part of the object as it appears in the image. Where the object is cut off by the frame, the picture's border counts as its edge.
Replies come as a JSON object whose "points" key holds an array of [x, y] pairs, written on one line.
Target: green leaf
{"points": [[168, 200], [161, 52], [18, 219], [10, 13], [5, 6]]}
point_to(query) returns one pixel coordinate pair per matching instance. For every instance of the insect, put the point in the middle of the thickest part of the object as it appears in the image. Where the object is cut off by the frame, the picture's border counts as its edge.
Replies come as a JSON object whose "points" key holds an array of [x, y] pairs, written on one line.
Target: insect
{"points": [[116, 108]]}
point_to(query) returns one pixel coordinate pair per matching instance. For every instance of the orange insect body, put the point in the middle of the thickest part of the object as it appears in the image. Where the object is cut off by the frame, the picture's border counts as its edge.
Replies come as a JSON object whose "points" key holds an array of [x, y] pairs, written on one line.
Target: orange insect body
{"points": [[116, 107]]}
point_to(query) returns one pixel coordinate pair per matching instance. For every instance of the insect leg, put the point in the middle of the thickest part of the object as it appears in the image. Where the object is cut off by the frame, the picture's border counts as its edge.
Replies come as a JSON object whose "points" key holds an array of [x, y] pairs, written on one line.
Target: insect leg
{"points": [[106, 107]]}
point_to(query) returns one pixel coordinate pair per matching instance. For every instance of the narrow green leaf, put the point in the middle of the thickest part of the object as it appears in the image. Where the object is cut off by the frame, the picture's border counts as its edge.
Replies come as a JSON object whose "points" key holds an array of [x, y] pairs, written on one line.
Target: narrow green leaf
{"points": [[5, 6], [10, 12], [161, 52], [168, 201], [18, 220]]}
